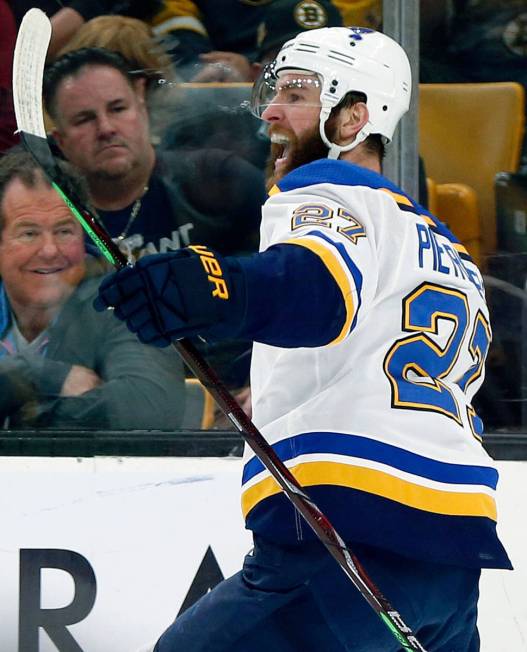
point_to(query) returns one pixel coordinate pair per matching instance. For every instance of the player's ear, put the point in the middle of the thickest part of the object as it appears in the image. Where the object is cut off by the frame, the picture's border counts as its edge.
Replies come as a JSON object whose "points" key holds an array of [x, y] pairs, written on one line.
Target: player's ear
{"points": [[350, 121]]}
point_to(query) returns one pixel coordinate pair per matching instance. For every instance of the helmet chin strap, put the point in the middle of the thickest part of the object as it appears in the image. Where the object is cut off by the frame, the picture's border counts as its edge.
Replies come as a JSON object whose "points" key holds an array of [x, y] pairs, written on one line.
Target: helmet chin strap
{"points": [[336, 150]]}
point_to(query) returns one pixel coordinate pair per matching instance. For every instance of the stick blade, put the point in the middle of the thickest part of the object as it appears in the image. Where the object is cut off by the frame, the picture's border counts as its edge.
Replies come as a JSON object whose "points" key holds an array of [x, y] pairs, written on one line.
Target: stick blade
{"points": [[29, 60]]}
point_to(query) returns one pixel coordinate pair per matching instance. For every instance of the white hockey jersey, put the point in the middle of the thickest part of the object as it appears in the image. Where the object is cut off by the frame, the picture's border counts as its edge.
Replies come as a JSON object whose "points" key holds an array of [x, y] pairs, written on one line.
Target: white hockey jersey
{"points": [[378, 425]]}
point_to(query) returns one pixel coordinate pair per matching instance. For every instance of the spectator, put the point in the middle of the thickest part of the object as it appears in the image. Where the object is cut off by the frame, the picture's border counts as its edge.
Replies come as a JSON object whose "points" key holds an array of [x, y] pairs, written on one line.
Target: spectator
{"points": [[62, 365], [7, 48], [134, 40], [489, 40], [281, 21], [149, 200], [196, 32], [130, 37]]}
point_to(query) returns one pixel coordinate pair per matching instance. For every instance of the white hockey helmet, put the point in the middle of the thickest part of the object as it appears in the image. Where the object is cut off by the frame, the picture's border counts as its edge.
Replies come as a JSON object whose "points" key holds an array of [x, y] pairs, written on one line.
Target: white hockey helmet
{"points": [[345, 59]]}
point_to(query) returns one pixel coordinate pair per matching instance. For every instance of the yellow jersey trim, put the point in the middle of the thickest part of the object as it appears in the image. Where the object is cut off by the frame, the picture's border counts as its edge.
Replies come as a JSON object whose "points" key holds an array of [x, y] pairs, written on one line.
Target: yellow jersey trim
{"points": [[400, 199], [460, 248], [381, 484]]}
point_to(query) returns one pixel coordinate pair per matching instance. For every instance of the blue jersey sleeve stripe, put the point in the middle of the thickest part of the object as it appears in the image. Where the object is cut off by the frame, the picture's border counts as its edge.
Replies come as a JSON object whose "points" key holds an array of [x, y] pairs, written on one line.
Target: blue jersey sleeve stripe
{"points": [[376, 451], [379, 483]]}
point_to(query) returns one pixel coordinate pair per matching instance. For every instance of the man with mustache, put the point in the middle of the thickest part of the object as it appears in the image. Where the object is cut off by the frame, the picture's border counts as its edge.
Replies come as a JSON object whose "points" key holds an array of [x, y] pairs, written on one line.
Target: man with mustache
{"points": [[371, 330], [149, 200], [61, 364]]}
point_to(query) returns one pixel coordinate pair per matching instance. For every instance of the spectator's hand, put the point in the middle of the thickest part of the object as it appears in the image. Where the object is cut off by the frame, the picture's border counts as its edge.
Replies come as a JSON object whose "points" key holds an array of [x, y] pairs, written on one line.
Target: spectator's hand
{"points": [[166, 297], [224, 67], [244, 399], [65, 23], [79, 381]]}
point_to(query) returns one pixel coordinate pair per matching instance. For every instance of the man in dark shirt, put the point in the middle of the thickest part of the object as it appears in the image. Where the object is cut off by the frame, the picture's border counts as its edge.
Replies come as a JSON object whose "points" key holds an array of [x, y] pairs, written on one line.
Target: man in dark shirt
{"points": [[150, 201]]}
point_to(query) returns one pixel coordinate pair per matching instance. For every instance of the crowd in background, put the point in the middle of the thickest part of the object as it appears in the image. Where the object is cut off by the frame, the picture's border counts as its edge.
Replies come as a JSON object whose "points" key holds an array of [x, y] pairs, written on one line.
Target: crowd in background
{"points": [[167, 81]]}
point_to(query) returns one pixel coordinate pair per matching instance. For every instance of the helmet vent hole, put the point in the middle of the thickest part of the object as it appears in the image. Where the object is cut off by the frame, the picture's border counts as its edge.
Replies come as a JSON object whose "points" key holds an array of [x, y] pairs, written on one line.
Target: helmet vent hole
{"points": [[385, 108]]}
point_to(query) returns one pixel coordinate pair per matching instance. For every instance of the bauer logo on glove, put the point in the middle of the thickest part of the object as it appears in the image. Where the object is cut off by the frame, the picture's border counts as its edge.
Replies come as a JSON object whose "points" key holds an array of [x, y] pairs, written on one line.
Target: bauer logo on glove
{"points": [[213, 269]]}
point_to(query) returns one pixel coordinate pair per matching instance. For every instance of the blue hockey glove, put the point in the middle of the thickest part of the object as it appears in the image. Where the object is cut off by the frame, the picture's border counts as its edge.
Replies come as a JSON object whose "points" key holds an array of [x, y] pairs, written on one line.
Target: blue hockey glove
{"points": [[166, 297]]}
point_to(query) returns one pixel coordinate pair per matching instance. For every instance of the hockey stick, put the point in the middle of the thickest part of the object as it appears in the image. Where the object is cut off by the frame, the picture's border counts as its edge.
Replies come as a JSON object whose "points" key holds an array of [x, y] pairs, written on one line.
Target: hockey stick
{"points": [[30, 54]]}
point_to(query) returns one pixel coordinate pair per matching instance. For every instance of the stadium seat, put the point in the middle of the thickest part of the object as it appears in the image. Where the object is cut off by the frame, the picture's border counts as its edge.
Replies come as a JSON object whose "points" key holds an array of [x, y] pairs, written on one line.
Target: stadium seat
{"points": [[456, 204], [468, 133]]}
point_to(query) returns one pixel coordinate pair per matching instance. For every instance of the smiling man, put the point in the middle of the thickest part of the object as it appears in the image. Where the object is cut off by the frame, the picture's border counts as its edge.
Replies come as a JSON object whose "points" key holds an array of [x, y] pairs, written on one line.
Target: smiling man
{"points": [[61, 364], [371, 331]]}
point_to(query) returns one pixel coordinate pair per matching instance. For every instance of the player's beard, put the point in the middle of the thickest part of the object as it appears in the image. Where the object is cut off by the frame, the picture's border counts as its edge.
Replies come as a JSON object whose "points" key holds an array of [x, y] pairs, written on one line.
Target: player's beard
{"points": [[300, 150]]}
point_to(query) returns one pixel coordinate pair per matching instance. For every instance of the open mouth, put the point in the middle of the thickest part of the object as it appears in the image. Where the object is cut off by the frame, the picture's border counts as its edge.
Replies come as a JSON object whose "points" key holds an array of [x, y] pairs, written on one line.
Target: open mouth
{"points": [[46, 272], [280, 149]]}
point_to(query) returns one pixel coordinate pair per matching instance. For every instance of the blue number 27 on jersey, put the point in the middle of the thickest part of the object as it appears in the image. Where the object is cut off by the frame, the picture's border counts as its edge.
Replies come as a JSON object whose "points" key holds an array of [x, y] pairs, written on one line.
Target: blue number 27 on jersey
{"points": [[418, 365]]}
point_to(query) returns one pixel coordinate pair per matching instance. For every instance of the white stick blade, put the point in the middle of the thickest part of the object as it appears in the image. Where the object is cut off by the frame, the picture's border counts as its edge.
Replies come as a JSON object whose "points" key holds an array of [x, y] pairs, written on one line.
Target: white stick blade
{"points": [[29, 60]]}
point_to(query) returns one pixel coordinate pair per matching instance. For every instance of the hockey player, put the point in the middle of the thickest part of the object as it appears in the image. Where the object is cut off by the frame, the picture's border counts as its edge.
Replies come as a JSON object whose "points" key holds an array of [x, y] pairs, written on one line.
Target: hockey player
{"points": [[371, 331]]}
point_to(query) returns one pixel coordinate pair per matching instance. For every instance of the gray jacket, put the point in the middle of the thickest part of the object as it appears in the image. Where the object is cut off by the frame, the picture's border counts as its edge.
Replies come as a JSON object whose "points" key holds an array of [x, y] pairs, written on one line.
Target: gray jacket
{"points": [[143, 387]]}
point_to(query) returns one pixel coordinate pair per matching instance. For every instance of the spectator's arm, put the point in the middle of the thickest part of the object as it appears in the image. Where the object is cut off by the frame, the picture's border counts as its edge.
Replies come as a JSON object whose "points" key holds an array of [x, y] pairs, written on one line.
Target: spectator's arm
{"points": [[141, 388], [225, 67], [136, 387], [64, 25], [181, 28]]}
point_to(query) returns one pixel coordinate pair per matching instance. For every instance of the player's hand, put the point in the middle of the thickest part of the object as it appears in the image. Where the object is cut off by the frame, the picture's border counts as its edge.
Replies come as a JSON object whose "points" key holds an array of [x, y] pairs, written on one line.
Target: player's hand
{"points": [[166, 297]]}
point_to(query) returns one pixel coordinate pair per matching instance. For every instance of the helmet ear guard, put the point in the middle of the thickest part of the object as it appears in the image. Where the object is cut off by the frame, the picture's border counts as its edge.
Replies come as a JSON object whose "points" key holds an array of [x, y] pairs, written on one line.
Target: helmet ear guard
{"points": [[349, 59]]}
